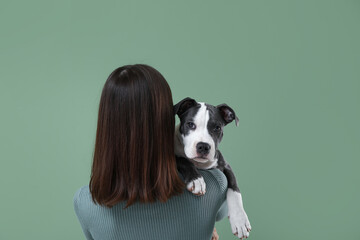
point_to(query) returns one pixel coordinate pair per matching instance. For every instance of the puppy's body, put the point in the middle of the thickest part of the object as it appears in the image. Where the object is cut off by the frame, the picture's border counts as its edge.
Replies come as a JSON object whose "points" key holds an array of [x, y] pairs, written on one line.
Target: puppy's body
{"points": [[196, 146]]}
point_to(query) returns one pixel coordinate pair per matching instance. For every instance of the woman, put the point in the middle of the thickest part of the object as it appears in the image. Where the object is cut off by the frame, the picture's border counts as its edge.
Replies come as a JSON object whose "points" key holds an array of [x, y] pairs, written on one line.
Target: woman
{"points": [[135, 190]]}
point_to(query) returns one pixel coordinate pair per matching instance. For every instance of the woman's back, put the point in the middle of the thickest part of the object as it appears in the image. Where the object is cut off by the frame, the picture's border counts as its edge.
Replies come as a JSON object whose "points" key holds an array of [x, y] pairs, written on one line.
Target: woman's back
{"points": [[183, 216]]}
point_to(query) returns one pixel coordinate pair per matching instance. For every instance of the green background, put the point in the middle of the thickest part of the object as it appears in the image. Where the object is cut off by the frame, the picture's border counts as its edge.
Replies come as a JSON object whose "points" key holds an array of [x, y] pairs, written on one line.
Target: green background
{"points": [[290, 70]]}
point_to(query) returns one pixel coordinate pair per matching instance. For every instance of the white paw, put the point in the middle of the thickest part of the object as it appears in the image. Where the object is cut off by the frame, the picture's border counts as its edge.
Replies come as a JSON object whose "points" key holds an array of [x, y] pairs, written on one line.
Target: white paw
{"points": [[197, 186], [240, 225]]}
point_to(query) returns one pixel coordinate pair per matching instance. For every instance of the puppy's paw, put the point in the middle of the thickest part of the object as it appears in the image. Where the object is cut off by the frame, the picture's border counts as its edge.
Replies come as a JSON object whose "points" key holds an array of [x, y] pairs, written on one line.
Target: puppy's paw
{"points": [[240, 225], [197, 186]]}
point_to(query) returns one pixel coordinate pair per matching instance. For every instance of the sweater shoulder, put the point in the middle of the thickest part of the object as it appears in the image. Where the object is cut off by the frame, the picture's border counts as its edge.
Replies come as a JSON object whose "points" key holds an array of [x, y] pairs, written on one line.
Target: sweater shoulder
{"points": [[81, 200], [216, 176], [81, 193]]}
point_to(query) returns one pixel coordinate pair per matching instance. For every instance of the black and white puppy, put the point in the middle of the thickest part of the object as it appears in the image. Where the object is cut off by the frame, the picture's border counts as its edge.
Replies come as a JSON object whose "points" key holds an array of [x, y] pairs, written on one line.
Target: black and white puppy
{"points": [[196, 146]]}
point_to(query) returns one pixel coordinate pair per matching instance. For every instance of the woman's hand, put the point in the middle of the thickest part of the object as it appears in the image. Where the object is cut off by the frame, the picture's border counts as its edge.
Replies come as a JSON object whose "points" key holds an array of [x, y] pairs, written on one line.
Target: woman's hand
{"points": [[215, 236]]}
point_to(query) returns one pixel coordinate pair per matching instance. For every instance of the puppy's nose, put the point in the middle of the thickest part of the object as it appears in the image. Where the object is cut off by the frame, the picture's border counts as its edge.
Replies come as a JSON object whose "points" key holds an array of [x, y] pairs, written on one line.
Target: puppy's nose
{"points": [[202, 148]]}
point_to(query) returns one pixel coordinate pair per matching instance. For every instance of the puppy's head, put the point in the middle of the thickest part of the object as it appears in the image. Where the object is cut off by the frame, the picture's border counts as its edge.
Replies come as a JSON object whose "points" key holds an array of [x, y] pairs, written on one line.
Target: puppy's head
{"points": [[201, 128]]}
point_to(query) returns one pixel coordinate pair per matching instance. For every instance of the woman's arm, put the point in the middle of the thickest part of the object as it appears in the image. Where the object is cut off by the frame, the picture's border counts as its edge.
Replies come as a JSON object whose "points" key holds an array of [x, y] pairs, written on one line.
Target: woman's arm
{"points": [[222, 189], [223, 211], [80, 217]]}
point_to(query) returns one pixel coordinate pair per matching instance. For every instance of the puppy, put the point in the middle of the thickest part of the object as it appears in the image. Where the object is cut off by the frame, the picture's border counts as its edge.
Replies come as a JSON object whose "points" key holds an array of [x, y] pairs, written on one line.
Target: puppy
{"points": [[196, 146]]}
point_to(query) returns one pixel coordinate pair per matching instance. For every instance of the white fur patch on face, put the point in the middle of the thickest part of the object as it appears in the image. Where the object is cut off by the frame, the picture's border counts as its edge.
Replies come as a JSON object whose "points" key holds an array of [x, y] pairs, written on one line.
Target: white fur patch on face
{"points": [[200, 134], [240, 225]]}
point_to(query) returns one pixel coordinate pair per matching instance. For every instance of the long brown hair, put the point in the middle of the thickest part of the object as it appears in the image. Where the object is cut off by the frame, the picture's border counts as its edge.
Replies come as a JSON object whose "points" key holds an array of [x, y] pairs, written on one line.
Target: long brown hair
{"points": [[134, 157]]}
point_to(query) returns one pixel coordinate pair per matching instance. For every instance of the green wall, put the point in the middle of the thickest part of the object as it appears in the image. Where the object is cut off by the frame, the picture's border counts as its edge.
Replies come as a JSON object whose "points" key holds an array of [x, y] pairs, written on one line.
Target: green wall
{"points": [[290, 70]]}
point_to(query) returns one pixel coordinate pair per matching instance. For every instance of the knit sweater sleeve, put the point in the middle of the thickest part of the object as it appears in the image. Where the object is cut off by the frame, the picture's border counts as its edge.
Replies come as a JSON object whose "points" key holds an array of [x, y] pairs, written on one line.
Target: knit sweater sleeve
{"points": [[223, 184], [79, 214], [223, 211]]}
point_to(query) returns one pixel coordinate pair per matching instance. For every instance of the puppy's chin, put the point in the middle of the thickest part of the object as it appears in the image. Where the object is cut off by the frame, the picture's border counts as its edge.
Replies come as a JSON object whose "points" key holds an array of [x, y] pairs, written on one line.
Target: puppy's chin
{"points": [[200, 160], [202, 163]]}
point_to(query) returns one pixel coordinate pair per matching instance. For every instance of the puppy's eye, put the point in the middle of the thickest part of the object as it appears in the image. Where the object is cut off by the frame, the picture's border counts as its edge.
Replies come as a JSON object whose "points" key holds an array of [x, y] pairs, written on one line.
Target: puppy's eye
{"points": [[191, 125], [217, 128]]}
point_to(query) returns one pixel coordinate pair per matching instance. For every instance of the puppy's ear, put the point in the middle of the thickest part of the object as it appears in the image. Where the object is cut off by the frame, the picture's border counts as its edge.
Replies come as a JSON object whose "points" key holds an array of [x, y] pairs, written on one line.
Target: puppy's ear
{"points": [[184, 105], [228, 114]]}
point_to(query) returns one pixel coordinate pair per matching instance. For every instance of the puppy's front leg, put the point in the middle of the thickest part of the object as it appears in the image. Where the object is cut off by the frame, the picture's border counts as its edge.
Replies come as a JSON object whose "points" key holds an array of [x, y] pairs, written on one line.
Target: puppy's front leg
{"points": [[194, 181], [238, 218]]}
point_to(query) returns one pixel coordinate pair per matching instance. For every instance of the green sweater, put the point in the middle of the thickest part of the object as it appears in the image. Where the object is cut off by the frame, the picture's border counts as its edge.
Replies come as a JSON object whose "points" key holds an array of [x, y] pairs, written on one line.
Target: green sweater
{"points": [[185, 216]]}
